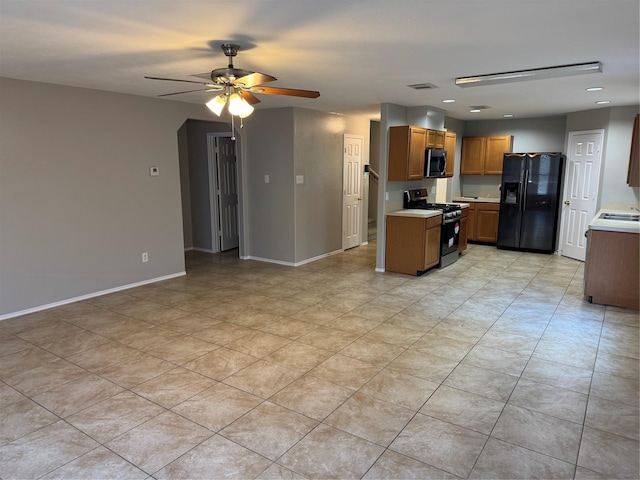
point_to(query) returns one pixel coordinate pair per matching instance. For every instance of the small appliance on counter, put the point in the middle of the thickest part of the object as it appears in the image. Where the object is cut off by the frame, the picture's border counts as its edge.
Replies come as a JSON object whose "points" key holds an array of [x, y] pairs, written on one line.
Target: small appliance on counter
{"points": [[450, 229], [529, 201]]}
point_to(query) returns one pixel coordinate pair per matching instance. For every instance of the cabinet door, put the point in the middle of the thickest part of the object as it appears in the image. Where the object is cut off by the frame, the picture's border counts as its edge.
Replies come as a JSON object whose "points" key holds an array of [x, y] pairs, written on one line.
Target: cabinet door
{"points": [[406, 153], [450, 147], [472, 160], [432, 247], [464, 229], [439, 141], [496, 147], [431, 139], [416, 154], [487, 226]]}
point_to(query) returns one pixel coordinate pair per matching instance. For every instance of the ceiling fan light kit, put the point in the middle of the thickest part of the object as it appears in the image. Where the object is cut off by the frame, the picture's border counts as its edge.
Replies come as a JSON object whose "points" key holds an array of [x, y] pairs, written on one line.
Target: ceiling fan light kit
{"points": [[239, 87], [533, 74]]}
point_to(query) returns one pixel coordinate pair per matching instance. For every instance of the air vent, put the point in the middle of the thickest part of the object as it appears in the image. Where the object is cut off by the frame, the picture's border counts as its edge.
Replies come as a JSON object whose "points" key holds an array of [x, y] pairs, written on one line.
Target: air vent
{"points": [[422, 86]]}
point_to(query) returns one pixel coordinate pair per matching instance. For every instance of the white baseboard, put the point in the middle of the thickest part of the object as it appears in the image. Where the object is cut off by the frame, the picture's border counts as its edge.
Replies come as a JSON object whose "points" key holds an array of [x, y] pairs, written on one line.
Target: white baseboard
{"points": [[6, 316], [292, 264]]}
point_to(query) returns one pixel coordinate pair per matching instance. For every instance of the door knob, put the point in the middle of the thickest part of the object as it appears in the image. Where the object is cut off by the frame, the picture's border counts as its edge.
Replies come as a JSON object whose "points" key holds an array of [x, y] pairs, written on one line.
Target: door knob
{"points": [[567, 202]]}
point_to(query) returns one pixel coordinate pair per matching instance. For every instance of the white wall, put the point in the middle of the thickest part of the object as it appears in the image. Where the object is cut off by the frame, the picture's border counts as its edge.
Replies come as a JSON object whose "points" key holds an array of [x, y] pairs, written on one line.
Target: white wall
{"points": [[77, 204]]}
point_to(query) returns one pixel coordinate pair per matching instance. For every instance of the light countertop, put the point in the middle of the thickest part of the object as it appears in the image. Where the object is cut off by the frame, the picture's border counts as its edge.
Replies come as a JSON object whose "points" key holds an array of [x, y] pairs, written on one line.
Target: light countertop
{"points": [[415, 212], [615, 225], [476, 199]]}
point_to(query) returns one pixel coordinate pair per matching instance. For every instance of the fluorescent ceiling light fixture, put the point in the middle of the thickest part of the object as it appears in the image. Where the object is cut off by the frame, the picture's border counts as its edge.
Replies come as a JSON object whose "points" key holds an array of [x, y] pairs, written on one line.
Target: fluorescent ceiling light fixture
{"points": [[603, 102], [594, 89], [448, 101], [508, 115], [475, 110], [533, 74]]}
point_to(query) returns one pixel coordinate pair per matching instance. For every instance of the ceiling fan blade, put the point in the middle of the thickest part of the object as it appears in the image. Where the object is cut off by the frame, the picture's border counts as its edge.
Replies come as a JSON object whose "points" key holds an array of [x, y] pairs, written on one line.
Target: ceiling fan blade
{"points": [[249, 97], [253, 79], [189, 91], [206, 75], [177, 80], [292, 92]]}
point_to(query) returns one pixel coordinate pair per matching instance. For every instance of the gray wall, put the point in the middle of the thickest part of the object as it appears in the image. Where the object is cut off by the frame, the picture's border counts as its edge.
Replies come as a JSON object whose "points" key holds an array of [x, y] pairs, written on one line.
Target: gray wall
{"points": [[618, 124], [292, 223], [196, 159], [77, 204], [269, 151]]}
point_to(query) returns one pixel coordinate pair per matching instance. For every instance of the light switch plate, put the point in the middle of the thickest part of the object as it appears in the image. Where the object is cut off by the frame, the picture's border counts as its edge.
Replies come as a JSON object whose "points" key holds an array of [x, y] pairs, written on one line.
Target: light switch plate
{"points": [[299, 179], [154, 171], [266, 179]]}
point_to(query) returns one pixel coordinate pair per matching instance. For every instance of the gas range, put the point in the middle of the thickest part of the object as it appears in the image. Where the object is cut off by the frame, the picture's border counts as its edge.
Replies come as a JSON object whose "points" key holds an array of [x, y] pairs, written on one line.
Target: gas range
{"points": [[418, 199]]}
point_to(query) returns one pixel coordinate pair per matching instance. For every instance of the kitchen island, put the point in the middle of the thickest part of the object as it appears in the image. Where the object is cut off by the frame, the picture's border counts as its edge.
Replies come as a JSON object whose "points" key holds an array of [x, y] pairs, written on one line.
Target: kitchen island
{"points": [[612, 267]]}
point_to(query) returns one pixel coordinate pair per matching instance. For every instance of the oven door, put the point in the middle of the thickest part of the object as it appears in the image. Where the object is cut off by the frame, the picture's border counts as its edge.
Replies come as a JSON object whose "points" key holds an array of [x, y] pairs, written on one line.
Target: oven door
{"points": [[449, 236]]}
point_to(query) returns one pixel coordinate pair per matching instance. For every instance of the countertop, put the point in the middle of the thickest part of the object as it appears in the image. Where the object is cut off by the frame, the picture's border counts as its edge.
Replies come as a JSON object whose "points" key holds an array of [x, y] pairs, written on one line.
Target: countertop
{"points": [[415, 212], [615, 225], [476, 199]]}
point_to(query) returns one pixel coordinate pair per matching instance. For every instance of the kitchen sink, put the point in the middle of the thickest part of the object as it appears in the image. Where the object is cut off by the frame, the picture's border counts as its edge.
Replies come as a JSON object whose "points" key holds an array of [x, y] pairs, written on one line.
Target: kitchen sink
{"points": [[627, 217]]}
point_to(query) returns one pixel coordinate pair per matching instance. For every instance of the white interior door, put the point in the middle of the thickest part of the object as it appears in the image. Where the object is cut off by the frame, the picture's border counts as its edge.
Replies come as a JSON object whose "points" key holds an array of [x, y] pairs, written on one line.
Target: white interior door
{"points": [[582, 178], [227, 191], [352, 188]]}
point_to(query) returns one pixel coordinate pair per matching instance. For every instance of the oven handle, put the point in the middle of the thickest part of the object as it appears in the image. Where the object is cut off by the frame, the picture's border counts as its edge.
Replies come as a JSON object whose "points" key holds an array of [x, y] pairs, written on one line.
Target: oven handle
{"points": [[450, 220]]}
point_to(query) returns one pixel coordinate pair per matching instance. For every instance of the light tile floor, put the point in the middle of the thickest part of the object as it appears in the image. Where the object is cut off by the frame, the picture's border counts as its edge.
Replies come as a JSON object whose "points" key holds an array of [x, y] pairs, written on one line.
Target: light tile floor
{"points": [[494, 367]]}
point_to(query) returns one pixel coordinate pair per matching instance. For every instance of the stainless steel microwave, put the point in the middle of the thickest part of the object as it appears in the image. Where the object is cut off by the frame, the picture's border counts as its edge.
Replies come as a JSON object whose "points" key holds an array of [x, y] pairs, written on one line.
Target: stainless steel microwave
{"points": [[435, 162]]}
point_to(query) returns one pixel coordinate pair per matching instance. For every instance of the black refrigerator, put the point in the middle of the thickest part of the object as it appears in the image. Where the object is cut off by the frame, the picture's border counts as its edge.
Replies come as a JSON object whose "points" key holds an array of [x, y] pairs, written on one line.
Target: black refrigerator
{"points": [[529, 201]]}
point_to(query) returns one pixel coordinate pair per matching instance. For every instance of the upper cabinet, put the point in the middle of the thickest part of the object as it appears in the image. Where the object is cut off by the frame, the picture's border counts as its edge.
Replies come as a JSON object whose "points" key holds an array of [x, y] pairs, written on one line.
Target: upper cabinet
{"points": [[435, 139], [450, 148], [633, 174], [483, 155], [406, 153]]}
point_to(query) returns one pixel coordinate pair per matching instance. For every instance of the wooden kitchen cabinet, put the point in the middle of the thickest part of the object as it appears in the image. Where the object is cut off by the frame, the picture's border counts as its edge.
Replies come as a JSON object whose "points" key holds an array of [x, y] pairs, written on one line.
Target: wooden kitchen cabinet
{"points": [[464, 230], [450, 147], [612, 268], [482, 225], [487, 222], [406, 153], [633, 174], [412, 244], [435, 139], [471, 225], [483, 155]]}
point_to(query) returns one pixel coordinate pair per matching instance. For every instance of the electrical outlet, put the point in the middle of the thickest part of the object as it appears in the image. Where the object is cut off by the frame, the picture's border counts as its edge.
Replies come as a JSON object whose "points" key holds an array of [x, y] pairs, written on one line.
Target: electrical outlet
{"points": [[145, 257], [154, 171], [266, 179]]}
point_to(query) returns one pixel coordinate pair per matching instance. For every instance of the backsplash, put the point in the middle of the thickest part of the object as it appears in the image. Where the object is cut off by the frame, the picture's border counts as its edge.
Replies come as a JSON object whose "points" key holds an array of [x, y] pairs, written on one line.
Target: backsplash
{"points": [[481, 186]]}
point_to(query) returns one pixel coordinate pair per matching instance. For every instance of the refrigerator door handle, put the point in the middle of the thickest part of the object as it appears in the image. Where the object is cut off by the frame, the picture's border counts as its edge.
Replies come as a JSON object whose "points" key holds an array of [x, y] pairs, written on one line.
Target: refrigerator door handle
{"points": [[523, 204]]}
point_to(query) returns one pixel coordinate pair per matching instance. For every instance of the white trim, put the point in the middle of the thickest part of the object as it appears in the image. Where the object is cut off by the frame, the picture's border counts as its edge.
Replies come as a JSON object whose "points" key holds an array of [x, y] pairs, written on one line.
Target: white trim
{"points": [[293, 264], [205, 250], [6, 316]]}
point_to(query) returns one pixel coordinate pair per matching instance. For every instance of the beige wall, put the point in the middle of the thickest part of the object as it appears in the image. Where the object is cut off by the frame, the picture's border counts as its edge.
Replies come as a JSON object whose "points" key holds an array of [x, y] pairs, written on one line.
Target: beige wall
{"points": [[77, 204]]}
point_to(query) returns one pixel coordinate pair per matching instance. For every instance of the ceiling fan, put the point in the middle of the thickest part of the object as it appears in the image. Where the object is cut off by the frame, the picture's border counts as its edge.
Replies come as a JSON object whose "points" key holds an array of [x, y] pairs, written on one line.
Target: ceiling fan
{"points": [[237, 86]]}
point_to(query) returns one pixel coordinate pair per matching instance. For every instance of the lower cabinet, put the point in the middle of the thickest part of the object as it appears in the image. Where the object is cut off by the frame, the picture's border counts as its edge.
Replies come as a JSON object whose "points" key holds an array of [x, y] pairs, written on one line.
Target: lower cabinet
{"points": [[611, 274], [464, 230], [483, 222], [412, 244]]}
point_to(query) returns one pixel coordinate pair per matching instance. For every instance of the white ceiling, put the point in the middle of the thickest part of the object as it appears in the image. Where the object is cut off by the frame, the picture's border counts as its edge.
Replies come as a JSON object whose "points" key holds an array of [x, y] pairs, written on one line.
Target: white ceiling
{"points": [[357, 53]]}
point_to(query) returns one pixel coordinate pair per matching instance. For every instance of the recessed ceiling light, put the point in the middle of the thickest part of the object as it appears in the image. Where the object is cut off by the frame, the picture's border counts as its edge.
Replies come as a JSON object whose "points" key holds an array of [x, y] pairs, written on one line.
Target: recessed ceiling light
{"points": [[594, 89], [448, 101], [508, 115], [475, 110], [603, 102]]}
